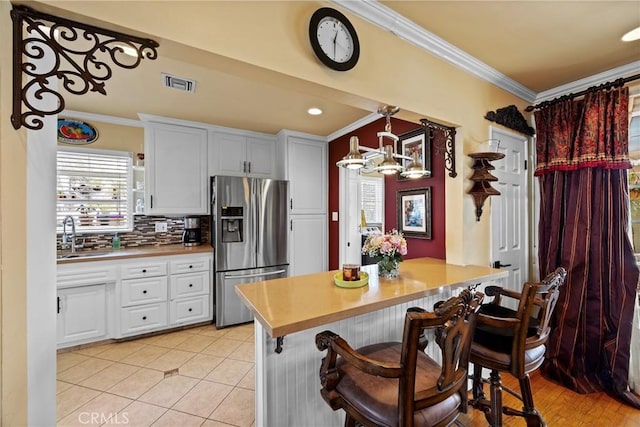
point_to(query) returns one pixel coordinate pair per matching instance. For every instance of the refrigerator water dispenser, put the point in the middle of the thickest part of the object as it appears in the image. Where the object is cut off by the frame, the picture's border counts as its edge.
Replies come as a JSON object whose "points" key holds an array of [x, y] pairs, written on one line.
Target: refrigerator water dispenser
{"points": [[232, 224]]}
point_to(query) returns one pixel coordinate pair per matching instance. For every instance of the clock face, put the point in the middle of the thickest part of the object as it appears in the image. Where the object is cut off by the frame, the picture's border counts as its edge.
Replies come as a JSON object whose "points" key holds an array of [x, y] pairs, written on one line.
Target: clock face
{"points": [[333, 39]]}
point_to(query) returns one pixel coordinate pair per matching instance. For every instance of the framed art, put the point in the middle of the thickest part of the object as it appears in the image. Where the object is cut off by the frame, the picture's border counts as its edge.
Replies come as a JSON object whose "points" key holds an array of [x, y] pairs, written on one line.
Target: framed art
{"points": [[415, 141], [414, 212]]}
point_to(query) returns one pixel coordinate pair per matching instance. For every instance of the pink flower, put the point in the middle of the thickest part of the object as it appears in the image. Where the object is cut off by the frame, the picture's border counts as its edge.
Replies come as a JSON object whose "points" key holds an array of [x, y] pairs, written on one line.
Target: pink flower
{"points": [[392, 245]]}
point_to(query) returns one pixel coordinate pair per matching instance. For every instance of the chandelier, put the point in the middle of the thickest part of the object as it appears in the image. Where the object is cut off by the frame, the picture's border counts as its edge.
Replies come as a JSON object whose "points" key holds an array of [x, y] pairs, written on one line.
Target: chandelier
{"points": [[389, 165]]}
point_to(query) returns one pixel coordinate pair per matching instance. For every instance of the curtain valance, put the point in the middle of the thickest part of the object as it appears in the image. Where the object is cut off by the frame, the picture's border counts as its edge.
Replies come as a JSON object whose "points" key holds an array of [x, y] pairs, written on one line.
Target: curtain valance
{"points": [[588, 133]]}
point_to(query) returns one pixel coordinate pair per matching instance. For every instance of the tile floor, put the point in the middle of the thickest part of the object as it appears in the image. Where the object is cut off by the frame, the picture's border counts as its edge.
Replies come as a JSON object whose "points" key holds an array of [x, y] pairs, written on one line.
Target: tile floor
{"points": [[134, 383]]}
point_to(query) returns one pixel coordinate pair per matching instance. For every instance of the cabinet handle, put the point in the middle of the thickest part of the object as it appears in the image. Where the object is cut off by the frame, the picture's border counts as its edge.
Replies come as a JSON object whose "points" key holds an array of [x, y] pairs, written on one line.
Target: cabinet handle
{"points": [[190, 309], [144, 317], [249, 168], [244, 167], [191, 266], [59, 304], [144, 292], [144, 270], [291, 224], [291, 203], [191, 285], [151, 197]]}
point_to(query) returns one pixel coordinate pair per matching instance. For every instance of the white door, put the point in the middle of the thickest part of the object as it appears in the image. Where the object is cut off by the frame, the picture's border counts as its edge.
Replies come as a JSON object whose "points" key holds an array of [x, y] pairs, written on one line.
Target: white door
{"points": [[509, 216], [350, 208]]}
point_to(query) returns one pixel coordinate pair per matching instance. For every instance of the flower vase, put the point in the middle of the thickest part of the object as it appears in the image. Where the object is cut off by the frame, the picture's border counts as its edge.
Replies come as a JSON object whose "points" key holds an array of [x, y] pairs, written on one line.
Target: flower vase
{"points": [[388, 268]]}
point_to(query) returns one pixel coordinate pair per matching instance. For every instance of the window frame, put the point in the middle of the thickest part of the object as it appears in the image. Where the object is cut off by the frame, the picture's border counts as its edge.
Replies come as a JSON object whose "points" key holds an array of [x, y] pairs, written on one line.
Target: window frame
{"points": [[128, 186]]}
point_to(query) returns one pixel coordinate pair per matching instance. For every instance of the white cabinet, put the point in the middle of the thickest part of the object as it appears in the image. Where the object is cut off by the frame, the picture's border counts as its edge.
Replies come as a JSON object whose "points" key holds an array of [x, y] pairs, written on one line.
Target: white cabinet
{"points": [[159, 293], [307, 244], [82, 314], [126, 297], [190, 290], [307, 174], [176, 169], [143, 296], [242, 154], [306, 169]]}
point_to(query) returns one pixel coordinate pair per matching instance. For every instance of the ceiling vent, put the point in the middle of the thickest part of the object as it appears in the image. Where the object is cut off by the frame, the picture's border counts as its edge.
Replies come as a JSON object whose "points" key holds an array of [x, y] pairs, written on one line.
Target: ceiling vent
{"points": [[180, 83]]}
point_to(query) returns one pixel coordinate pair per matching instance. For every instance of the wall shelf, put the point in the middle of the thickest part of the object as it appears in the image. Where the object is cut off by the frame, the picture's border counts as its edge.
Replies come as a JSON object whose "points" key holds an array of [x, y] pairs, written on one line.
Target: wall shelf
{"points": [[482, 179]]}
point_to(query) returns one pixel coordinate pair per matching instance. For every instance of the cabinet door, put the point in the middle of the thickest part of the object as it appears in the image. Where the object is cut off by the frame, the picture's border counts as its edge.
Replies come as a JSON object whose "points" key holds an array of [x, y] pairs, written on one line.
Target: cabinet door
{"points": [[229, 155], [176, 169], [261, 157], [82, 315], [307, 171], [308, 244]]}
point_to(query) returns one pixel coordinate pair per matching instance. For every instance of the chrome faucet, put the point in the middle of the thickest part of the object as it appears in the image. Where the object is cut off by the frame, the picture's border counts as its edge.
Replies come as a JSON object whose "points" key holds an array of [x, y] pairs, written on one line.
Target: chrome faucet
{"points": [[65, 236]]}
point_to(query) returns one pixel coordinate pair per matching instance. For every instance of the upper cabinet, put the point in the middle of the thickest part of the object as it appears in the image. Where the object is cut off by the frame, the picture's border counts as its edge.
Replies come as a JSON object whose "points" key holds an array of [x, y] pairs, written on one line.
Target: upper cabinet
{"points": [[242, 154], [306, 170], [175, 169]]}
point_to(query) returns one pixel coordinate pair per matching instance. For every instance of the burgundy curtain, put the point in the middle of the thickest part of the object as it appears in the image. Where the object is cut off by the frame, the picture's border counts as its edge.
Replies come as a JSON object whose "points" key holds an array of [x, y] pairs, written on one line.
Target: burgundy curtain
{"points": [[582, 152]]}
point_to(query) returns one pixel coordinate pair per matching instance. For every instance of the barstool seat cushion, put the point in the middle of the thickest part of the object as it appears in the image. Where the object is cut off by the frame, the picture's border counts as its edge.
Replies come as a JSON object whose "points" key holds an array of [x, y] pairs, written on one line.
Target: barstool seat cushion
{"points": [[502, 360], [377, 397]]}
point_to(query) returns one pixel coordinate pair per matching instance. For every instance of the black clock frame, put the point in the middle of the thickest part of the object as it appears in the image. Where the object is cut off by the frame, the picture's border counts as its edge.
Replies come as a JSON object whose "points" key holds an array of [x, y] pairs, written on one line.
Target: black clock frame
{"points": [[317, 16]]}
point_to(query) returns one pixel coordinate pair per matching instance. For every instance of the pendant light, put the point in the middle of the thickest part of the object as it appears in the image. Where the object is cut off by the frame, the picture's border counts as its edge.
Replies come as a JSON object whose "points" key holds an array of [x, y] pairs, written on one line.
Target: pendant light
{"points": [[416, 169], [354, 159]]}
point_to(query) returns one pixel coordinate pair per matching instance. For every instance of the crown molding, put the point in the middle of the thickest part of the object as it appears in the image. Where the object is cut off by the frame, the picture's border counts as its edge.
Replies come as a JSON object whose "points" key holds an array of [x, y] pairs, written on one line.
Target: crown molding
{"points": [[101, 118], [597, 79], [353, 126], [389, 20]]}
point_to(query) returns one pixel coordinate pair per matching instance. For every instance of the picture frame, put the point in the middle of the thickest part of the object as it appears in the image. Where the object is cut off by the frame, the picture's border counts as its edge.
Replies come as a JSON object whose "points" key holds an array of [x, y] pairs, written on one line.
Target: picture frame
{"points": [[414, 212], [409, 142]]}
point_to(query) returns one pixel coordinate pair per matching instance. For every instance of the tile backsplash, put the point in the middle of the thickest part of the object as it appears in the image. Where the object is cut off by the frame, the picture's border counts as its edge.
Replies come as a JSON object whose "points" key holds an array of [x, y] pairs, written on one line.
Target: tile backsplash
{"points": [[143, 233]]}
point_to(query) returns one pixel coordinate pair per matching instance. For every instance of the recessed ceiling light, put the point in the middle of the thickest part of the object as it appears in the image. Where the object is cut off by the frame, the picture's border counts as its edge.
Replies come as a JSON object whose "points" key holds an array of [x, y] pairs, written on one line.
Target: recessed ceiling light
{"points": [[632, 35], [314, 111]]}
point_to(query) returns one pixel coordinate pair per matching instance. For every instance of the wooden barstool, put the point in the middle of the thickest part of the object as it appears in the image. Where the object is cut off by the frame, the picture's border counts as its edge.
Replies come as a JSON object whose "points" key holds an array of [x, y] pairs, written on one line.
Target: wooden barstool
{"points": [[513, 341], [397, 384]]}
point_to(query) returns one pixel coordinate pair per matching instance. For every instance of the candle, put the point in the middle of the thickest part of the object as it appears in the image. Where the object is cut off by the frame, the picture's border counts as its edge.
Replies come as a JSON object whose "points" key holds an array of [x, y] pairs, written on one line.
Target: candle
{"points": [[350, 272]]}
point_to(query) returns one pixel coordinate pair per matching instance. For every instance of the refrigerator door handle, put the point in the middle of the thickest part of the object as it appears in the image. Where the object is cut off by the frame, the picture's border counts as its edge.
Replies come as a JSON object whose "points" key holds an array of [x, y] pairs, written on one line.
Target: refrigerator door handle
{"points": [[246, 276]]}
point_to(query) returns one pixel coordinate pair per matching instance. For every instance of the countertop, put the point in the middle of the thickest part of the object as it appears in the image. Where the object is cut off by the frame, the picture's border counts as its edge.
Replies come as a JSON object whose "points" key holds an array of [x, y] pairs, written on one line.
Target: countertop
{"points": [[134, 252], [293, 304]]}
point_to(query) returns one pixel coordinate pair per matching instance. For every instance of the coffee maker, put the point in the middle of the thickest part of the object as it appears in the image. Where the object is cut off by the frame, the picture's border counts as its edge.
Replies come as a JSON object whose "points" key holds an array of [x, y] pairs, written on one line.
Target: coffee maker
{"points": [[192, 234]]}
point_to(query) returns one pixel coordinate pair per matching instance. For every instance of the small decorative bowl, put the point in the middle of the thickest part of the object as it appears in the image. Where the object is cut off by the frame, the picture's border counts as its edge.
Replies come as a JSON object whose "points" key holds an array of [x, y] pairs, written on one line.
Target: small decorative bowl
{"points": [[364, 280]]}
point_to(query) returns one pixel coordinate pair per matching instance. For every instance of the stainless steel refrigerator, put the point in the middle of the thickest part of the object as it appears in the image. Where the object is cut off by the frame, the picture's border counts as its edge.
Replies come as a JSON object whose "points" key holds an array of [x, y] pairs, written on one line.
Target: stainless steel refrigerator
{"points": [[249, 235]]}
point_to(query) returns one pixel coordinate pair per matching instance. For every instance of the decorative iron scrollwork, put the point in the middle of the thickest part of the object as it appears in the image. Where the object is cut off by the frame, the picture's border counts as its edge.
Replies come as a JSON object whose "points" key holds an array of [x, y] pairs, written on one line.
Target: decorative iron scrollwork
{"points": [[448, 150], [512, 118], [80, 60]]}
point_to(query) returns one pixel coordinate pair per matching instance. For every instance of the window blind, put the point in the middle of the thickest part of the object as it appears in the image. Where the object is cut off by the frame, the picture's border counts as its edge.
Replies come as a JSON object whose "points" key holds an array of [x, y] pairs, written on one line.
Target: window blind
{"points": [[372, 200], [94, 187]]}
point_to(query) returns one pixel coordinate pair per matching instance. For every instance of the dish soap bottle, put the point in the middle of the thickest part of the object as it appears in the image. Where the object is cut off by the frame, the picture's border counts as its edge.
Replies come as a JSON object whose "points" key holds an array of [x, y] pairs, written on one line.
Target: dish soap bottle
{"points": [[115, 243]]}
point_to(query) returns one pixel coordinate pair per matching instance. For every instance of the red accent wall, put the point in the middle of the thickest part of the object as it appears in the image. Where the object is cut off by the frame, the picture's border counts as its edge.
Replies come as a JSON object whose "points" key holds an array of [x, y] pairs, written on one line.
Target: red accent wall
{"points": [[435, 247]]}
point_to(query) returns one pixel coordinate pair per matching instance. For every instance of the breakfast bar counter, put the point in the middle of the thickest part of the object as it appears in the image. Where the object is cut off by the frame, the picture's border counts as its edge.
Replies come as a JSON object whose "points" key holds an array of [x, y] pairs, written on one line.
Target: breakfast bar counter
{"points": [[289, 312], [293, 304]]}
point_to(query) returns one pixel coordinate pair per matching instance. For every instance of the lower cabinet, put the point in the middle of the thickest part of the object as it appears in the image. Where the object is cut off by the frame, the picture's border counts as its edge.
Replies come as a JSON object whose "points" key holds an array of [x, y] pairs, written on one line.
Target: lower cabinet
{"points": [[82, 314], [117, 299], [161, 293]]}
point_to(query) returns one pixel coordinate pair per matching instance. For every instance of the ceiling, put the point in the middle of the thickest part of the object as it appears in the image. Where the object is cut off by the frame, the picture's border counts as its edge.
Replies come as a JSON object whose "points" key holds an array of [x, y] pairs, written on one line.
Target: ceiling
{"points": [[541, 45]]}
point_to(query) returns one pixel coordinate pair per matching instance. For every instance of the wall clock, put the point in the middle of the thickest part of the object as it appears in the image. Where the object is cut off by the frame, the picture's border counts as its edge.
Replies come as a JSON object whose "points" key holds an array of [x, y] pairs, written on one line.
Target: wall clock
{"points": [[333, 39]]}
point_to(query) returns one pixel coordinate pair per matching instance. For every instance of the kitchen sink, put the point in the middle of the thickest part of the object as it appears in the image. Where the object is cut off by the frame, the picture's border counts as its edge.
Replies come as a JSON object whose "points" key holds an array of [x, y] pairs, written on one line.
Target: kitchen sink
{"points": [[88, 254]]}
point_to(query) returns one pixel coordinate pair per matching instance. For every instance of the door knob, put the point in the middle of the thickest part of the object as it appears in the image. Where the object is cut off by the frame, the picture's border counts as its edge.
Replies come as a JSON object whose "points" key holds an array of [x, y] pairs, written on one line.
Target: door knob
{"points": [[498, 265]]}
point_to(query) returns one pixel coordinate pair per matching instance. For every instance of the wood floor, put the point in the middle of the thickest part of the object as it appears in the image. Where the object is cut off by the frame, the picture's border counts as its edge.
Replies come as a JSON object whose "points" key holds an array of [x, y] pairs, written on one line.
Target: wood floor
{"points": [[562, 407]]}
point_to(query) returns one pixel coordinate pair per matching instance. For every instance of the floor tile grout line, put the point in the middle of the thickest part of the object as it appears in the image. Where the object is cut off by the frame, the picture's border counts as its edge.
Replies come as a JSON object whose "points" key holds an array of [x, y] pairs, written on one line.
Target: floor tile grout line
{"points": [[230, 356]]}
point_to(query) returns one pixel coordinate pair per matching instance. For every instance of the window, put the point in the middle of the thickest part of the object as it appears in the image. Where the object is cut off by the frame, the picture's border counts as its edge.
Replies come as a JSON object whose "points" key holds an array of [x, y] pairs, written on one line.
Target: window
{"points": [[372, 200], [94, 187]]}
